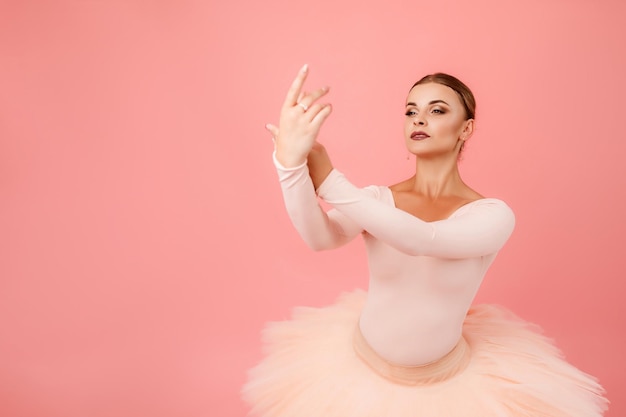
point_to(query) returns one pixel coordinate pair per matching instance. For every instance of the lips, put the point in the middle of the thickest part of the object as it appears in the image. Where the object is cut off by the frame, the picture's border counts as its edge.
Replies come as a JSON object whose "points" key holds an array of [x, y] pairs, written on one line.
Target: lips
{"points": [[419, 135]]}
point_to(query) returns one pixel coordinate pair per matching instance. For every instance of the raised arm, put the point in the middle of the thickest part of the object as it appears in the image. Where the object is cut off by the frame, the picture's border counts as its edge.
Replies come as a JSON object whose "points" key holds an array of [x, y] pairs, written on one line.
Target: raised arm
{"points": [[303, 164], [319, 229], [478, 229]]}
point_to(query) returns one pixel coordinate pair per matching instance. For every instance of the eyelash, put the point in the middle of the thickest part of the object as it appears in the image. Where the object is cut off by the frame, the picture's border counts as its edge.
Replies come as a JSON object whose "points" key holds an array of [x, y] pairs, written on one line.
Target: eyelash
{"points": [[413, 112]]}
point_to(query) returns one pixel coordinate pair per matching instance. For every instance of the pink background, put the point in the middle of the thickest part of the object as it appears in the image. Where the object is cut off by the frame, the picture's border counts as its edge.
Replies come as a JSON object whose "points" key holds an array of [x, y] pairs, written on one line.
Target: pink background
{"points": [[143, 241]]}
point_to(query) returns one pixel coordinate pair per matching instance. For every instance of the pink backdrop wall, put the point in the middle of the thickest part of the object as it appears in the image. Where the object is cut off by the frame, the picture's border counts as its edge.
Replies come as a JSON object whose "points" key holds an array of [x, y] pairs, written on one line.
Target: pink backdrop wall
{"points": [[143, 242]]}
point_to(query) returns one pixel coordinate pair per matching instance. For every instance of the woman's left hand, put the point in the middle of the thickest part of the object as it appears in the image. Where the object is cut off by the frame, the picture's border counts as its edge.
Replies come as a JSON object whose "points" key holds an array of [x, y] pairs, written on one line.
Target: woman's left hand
{"points": [[301, 118]]}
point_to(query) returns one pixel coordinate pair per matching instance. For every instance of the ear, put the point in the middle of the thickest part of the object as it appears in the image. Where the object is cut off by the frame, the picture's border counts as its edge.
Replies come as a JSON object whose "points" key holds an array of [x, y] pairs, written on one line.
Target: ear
{"points": [[468, 129]]}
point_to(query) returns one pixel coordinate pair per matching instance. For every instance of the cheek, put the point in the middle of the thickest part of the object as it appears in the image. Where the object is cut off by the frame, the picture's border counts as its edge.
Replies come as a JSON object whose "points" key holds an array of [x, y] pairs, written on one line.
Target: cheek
{"points": [[408, 125], [451, 128]]}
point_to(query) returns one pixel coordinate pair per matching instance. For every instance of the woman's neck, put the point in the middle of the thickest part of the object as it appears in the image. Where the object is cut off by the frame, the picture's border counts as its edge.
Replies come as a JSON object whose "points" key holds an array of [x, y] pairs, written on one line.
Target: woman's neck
{"points": [[437, 178]]}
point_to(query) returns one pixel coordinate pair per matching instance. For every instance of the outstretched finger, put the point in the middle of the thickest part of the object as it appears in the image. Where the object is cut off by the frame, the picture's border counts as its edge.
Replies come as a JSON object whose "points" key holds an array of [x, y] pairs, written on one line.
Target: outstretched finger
{"points": [[321, 115], [296, 86]]}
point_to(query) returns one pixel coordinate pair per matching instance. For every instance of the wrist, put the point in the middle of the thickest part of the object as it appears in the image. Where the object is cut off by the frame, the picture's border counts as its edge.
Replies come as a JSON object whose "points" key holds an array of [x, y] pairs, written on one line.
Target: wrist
{"points": [[279, 165], [287, 160]]}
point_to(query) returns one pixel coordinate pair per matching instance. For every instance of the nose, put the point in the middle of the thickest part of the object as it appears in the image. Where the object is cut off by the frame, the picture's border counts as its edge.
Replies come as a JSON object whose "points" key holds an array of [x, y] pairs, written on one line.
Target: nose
{"points": [[419, 121]]}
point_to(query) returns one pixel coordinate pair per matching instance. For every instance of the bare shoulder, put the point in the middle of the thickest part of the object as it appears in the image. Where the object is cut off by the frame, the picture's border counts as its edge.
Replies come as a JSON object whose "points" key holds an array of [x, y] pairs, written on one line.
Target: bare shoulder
{"points": [[472, 195], [402, 186]]}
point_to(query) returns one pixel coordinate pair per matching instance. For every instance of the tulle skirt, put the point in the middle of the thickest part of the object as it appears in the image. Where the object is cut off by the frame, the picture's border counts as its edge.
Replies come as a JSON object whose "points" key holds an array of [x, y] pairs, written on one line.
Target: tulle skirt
{"points": [[318, 364]]}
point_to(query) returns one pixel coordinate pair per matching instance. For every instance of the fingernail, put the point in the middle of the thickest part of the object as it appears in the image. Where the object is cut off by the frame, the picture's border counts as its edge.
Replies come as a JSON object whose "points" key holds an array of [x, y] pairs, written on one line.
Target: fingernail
{"points": [[305, 67]]}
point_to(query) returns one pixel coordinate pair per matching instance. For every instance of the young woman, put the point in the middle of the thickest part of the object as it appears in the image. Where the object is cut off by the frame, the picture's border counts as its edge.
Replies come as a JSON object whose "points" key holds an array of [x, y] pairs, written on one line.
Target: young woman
{"points": [[413, 345]]}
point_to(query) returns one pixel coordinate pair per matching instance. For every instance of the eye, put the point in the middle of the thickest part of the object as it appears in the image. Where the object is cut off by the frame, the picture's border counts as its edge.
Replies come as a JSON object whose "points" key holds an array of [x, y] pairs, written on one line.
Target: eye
{"points": [[438, 111], [410, 113]]}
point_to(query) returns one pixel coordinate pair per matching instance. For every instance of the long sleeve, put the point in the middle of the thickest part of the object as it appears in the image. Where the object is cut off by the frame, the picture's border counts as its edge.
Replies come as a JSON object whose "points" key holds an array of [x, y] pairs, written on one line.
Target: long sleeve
{"points": [[319, 229], [477, 229]]}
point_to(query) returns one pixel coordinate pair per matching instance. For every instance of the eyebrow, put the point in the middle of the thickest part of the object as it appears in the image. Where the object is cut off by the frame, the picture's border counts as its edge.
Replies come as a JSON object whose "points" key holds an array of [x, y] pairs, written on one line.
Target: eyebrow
{"points": [[410, 103]]}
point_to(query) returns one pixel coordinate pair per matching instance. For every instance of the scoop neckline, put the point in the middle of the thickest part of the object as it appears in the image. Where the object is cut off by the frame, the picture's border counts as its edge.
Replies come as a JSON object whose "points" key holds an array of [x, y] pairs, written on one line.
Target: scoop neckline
{"points": [[393, 201]]}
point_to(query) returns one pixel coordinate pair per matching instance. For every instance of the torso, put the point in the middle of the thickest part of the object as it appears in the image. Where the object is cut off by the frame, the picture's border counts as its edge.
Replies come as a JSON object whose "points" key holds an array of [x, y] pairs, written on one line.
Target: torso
{"points": [[427, 295]]}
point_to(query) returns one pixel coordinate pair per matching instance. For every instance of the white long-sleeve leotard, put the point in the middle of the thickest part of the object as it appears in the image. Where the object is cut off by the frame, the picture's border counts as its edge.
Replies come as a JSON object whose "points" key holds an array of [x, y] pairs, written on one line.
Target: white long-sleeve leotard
{"points": [[423, 275]]}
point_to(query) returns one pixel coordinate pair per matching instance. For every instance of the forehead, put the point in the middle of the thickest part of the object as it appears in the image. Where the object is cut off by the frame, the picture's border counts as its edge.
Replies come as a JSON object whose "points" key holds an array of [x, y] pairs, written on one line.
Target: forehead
{"points": [[425, 93]]}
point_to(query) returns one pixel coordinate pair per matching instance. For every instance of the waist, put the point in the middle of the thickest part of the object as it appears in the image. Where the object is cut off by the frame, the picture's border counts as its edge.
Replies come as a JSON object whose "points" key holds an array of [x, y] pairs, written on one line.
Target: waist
{"points": [[442, 369]]}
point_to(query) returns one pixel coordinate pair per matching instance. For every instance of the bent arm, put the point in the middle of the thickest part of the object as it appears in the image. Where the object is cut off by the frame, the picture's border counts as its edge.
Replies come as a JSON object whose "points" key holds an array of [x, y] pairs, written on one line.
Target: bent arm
{"points": [[320, 230], [478, 230]]}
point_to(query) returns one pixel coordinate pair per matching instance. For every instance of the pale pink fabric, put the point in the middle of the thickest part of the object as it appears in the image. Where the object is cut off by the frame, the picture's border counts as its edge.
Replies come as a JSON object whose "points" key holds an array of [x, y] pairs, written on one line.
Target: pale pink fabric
{"points": [[423, 278], [423, 275], [440, 370], [311, 369]]}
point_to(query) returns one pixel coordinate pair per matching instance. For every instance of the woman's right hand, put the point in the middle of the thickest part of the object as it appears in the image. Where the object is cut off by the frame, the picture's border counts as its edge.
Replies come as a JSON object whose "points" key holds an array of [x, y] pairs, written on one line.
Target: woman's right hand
{"points": [[301, 118], [319, 164]]}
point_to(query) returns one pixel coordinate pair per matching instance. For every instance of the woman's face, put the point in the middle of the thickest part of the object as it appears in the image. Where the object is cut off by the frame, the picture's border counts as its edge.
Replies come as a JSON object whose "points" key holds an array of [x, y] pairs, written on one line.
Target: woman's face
{"points": [[436, 121]]}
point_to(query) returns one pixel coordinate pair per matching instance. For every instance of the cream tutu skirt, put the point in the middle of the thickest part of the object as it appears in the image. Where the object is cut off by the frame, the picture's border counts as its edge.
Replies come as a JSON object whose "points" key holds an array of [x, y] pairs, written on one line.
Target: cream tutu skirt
{"points": [[317, 364]]}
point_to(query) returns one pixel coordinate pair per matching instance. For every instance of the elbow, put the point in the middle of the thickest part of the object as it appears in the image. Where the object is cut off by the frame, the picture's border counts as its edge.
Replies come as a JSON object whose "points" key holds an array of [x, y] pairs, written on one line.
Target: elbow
{"points": [[320, 243], [320, 246]]}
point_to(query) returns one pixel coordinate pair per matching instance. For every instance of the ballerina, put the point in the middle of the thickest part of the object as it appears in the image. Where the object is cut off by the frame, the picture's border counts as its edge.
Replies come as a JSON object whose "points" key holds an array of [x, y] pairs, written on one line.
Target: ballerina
{"points": [[413, 345]]}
